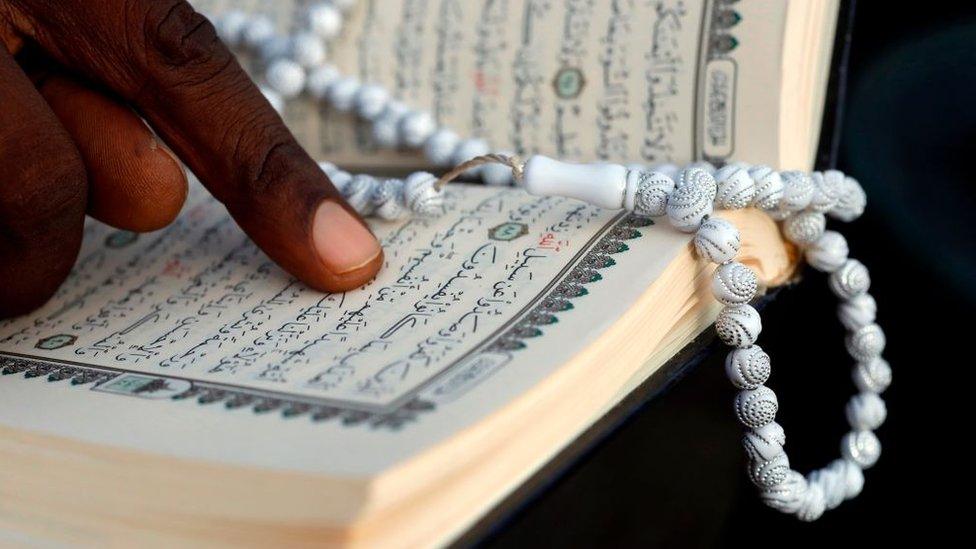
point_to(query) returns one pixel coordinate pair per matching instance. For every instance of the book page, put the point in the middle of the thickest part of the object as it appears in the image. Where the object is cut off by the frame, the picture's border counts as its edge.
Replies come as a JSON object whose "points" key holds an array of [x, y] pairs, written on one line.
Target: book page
{"points": [[640, 81], [189, 341]]}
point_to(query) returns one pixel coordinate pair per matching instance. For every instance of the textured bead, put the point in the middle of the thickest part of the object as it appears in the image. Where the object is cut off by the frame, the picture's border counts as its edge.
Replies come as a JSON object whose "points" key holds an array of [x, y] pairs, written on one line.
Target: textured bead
{"points": [[439, 147], [286, 77], [747, 368], [415, 128], [668, 169], [857, 311], [325, 20], [861, 447], [769, 473], [274, 48], [696, 176], [371, 100], [230, 27], [343, 93], [872, 375], [851, 202], [831, 481], [865, 411], [258, 31], [798, 190], [772, 431], [866, 342], [812, 503], [688, 206], [717, 240], [420, 195], [756, 407], [468, 149], [853, 477], [388, 202], [828, 187], [735, 187], [340, 180], [828, 253], [769, 187], [850, 280], [320, 79], [497, 175], [707, 167], [386, 128], [760, 446], [650, 192], [804, 228], [787, 496], [307, 49], [738, 325], [273, 97], [734, 283], [359, 193]]}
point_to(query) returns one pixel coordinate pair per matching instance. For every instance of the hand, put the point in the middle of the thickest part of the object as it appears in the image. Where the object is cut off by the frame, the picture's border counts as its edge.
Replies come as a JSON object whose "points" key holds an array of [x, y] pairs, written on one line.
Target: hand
{"points": [[73, 140]]}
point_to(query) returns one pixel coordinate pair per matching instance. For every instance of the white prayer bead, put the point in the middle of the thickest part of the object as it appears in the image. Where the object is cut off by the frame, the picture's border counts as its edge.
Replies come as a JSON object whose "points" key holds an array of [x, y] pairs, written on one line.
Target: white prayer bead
{"points": [[772, 431], [359, 192], [342, 93], [468, 149], [388, 202], [853, 477], [861, 447], [696, 176], [320, 79], [371, 100], [286, 77], [769, 187], [866, 342], [787, 496], [258, 31], [747, 368], [851, 202], [828, 253], [497, 175], [386, 128], [647, 192], [738, 325], [865, 411], [707, 167], [415, 128], [273, 97], [599, 184], [756, 407], [275, 47], [689, 205], [827, 186], [230, 27], [798, 191], [307, 49], [439, 147], [420, 195], [340, 180], [668, 169], [760, 446], [857, 311], [736, 188], [328, 167], [850, 280], [812, 503], [325, 20], [804, 228], [717, 240], [768, 473], [831, 482], [734, 283], [872, 375]]}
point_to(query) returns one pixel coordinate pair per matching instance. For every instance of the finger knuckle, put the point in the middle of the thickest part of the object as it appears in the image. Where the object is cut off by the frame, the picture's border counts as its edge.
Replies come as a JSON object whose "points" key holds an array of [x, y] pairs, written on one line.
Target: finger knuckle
{"points": [[181, 43]]}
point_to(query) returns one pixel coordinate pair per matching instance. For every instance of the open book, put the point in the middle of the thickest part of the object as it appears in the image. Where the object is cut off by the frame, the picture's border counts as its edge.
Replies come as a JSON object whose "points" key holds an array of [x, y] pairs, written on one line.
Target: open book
{"points": [[180, 387]]}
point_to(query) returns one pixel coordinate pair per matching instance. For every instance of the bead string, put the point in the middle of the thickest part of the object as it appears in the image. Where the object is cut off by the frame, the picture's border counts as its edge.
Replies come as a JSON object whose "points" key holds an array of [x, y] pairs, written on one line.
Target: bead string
{"points": [[686, 196]]}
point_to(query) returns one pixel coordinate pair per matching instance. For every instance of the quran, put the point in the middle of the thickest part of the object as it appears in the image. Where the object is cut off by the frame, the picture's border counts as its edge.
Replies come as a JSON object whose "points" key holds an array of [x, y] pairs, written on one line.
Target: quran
{"points": [[180, 387]]}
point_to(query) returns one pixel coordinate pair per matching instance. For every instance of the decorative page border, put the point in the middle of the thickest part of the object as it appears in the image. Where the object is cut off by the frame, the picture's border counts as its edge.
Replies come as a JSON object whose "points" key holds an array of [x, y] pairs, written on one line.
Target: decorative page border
{"points": [[514, 336]]}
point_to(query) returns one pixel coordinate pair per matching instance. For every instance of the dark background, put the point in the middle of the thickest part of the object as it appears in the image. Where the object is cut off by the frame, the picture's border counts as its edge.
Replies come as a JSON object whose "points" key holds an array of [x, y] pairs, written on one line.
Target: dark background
{"points": [[672, 474]]}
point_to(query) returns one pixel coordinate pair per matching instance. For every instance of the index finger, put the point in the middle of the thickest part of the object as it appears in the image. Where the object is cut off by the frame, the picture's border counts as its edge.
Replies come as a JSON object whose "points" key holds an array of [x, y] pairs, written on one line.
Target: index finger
{"points": [[165, 59]]}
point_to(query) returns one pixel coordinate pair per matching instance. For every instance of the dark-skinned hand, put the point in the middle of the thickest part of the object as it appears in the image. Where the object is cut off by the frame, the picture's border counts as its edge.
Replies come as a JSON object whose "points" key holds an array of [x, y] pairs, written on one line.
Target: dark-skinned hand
{"points": [[78, 78]]}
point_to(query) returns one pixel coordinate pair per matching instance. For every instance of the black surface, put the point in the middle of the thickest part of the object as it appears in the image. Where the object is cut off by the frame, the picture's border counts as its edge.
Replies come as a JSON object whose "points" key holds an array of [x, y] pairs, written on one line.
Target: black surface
{"points": [[672, 475]]}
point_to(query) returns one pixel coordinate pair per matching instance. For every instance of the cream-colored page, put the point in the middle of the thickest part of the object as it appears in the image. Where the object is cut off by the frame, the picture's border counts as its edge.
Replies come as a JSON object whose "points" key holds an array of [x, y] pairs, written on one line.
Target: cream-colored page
{"points": [[636, 81], [189, 341]]}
